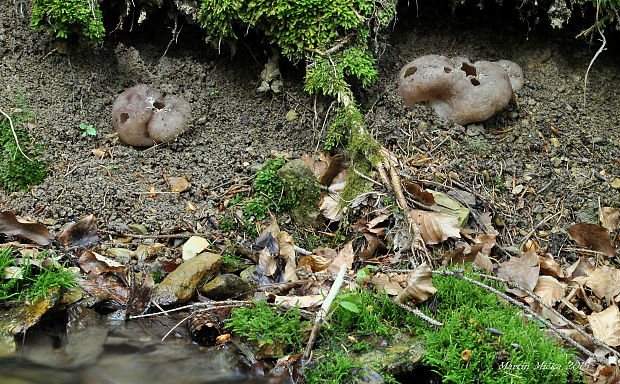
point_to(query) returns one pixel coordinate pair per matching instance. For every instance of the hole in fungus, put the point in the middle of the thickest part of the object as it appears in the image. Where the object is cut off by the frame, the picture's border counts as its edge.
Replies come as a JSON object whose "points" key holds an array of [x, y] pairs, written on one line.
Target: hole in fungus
{"points": [[469, 70], [410, 71], [159, 104], [124, 117], [475, 82], [447, 69]]}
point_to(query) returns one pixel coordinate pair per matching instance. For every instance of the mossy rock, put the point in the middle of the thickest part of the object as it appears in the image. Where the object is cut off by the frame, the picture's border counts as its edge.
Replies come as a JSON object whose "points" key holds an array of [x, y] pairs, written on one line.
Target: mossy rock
{"points": [[302, 189]]}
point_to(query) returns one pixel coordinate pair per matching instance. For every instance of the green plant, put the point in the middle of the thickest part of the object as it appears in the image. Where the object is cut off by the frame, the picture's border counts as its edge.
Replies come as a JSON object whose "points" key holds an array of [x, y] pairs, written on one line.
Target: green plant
{"points": [[215, 92], [30, 282], [19, 167], [268, 191], [521, 354], [335, 366], [88, 130], [67, 17], [157, 275], [266, 324], [498, 183]]}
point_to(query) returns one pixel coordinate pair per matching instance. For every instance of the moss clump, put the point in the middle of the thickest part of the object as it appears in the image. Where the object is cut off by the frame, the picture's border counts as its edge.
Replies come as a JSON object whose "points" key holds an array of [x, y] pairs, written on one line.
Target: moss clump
{"points": [[265, 324], [268, 191], [67, 17], [32, 282], [18, 172], [523, 354]]}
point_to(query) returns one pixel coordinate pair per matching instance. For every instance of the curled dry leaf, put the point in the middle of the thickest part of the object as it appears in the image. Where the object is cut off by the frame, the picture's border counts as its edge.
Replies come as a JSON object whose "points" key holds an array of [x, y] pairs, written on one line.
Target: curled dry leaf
{"points": [[550, 267], [91, 262], [418, 194], [606, 325], [550, 290], [287, 252], [603, 281], [469, 254], [317, 262], [522, 270], [80, 234], [345, 257], [388, 283], [331, 207], [267, 262], [610, 218], [579, 268], [35, 232], [592, 236], [436, 227], [419, 285]]}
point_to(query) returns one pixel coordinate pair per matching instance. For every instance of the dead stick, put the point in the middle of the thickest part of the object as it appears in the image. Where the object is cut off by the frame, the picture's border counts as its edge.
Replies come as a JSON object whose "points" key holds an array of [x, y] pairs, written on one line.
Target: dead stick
{"points": [[320, 316]]}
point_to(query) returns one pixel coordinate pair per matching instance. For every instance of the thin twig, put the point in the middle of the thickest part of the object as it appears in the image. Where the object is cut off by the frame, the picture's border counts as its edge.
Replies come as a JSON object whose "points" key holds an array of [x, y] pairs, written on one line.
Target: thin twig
{"points": [[219, 304], [320, 316], [175, 327], [19, 147], [419, 314]]}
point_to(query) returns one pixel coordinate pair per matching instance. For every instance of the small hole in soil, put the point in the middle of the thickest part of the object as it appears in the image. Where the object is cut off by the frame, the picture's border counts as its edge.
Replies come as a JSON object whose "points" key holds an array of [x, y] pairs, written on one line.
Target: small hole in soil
{"points": [[469, 70], [475, 82], [124, 117], [447, 69], [159, 104], [410, 71]]}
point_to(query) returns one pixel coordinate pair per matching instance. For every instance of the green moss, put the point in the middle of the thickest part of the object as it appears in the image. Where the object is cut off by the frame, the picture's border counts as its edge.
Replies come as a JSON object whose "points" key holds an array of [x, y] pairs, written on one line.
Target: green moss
{"points": [[67, 17], [32, 282], [468, 311], [18, 172], [268, 191], [265, 324], [333, 366]]}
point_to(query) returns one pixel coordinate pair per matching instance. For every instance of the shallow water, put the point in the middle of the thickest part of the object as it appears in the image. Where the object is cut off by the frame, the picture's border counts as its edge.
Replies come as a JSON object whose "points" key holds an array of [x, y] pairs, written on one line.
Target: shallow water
{"points": [[122, 352]]}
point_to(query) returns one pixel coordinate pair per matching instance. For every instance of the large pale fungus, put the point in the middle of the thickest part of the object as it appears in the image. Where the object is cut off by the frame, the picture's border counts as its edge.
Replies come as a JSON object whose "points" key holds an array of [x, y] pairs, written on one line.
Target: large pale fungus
{"points": [[457, 89], [143, 118]]}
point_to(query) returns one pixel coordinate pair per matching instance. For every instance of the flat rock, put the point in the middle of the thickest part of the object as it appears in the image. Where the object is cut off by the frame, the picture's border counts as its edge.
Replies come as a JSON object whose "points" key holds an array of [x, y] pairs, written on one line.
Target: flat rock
{"points": [[227, 286], [180, 284]]}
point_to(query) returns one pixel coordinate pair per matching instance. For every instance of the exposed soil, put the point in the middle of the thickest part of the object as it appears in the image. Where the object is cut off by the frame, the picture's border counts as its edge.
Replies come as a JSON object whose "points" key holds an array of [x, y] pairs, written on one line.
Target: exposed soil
{"points": [[235, 128]]}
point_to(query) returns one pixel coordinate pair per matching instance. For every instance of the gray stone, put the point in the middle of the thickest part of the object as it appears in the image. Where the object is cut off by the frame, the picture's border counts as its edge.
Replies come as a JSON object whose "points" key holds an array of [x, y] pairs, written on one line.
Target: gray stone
{"points": [[227, 286]]}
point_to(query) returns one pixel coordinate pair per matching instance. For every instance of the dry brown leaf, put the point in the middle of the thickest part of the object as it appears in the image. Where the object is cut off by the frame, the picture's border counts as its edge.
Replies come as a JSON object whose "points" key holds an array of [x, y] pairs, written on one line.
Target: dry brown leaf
{"points": [[488, 240], [318, 166], [579, 268], [345, 257], [179, 184], [550, 290], [316, 263], [603, 281], [35, 232], [418, 193], [610, 218], [287, 252], [331, 207], [522, 270], [606, 325], [462, 255], [486, 219], [267, 262], [80, 234], [336, 165], [91, 262], [550, 267], [592, 236], [390, 284], [419, 285], [436, 227]]}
